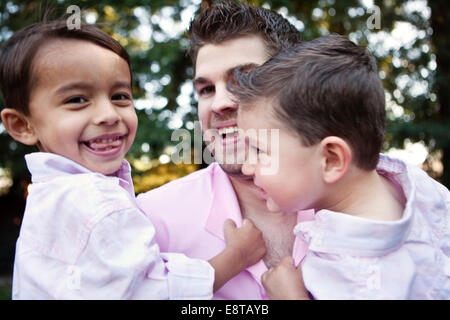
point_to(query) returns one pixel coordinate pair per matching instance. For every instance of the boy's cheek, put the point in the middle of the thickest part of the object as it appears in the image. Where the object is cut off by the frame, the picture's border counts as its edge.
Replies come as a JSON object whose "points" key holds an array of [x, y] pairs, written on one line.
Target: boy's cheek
{"points": [[134, 125]]}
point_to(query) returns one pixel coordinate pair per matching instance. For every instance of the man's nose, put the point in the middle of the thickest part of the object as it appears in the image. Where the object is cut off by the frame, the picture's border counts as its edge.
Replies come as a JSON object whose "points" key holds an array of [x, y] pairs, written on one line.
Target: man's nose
{"points": [[223, 100], [106, 113]]}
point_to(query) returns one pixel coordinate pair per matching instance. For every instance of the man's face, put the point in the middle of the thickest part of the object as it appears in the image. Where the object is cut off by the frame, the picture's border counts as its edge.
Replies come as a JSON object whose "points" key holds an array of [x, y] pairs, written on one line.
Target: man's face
{"points": [[216, 109]]}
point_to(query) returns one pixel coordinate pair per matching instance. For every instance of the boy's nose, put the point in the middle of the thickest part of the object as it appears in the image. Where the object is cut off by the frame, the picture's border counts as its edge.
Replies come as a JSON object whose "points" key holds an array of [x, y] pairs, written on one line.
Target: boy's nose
{"points": [[107, 114]]}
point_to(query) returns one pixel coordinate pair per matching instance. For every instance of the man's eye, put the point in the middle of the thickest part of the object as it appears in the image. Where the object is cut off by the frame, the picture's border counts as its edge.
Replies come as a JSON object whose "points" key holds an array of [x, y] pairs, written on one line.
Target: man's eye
{"points": [[206, 90]]}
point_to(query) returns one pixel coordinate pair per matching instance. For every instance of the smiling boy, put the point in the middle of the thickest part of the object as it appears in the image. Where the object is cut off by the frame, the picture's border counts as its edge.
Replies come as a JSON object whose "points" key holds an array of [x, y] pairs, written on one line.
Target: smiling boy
{"points": [[68, 92], [381, 228]]}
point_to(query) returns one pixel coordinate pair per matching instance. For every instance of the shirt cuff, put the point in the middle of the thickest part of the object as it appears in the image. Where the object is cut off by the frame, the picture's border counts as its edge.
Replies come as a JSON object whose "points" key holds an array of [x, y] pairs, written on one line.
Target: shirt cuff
{"points": [[188, 278]]}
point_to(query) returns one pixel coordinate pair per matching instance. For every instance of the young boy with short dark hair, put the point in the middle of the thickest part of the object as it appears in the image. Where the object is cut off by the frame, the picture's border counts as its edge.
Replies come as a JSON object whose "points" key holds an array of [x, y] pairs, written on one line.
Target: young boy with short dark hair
{"points": [[382, 227], [69, 92]]}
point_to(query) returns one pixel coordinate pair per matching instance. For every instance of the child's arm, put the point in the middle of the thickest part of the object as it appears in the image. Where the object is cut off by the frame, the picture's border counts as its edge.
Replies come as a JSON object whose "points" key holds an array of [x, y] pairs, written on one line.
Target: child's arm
{"points": [[285, 281], [245, 247]]}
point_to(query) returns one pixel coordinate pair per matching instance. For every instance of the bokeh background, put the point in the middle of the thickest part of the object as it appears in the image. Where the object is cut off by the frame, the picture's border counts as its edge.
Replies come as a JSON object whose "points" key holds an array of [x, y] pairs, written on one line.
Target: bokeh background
{"points": [[409, 38]]}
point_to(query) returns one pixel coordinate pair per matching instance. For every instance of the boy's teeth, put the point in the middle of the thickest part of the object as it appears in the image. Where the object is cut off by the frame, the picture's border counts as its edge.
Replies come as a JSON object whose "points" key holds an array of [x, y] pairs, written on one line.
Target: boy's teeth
{"points": [[105, 140], [104, 144]]}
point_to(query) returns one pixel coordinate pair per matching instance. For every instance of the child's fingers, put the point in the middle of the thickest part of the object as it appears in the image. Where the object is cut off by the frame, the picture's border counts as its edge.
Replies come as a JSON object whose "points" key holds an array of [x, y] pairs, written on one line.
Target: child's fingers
{"points": [[247, 222], [265, 275], [228, 227]]}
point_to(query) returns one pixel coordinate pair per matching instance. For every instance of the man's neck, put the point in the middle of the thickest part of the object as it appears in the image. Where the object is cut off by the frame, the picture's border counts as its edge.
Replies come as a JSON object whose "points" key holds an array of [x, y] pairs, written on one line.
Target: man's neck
{"points": [[277, 228]]}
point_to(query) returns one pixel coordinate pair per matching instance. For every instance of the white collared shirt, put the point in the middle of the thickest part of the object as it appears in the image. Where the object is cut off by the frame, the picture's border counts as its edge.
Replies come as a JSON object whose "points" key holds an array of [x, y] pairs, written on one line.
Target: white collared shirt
{"points": [[82, 237], [356, 258]]}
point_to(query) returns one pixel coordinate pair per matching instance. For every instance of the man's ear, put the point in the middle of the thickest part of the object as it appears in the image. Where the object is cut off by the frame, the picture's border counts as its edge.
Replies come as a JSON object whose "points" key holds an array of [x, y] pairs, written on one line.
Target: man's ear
{"points": [[18, 126], [336, 157]]}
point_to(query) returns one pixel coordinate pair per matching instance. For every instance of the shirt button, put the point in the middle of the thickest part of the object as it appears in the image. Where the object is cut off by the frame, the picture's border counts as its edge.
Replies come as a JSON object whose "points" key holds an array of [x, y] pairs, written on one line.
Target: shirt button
{"points": [[318, 240]]}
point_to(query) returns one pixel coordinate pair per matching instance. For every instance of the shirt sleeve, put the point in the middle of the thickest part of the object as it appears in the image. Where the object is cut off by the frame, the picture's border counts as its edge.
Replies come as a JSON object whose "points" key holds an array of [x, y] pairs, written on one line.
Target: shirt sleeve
{"points": [[343, 277], [122, 261]]}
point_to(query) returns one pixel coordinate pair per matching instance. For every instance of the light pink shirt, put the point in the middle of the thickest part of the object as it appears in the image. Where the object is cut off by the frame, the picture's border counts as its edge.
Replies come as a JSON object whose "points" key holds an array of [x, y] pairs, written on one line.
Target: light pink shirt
{"points": [[189, 213], [83, 237], [356, 258]]}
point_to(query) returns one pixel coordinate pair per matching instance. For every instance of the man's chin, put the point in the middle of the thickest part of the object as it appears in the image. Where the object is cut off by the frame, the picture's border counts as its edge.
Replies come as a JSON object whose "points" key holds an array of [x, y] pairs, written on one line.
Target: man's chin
{"points": [[231, 163], [232, 169]]}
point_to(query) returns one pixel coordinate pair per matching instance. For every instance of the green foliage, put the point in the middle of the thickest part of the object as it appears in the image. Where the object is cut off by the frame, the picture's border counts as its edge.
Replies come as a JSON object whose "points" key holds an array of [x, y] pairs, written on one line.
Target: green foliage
{"points": [[5, 292], [423, 118]]}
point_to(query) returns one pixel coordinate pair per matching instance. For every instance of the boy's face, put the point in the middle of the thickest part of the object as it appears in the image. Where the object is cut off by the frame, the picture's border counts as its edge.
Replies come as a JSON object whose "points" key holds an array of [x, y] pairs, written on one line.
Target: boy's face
{"points": [[286, 171], [81, 105], [217, 111]]}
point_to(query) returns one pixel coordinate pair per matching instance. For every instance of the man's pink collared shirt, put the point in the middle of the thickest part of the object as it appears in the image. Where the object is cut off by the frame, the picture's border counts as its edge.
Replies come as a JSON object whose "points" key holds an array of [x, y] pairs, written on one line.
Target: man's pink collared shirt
{"points": [[188, 215]]}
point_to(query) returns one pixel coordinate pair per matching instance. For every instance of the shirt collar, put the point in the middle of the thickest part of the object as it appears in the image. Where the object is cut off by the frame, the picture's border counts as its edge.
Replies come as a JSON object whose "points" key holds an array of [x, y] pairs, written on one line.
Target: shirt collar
{"points": [[335, 232], [45, 166], [224, 203]]}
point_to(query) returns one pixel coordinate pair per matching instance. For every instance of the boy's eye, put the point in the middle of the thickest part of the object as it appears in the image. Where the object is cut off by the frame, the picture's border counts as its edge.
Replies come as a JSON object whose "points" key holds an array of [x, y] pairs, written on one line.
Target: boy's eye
{"points": [[256, 150], [76, 100], [121, 96]]}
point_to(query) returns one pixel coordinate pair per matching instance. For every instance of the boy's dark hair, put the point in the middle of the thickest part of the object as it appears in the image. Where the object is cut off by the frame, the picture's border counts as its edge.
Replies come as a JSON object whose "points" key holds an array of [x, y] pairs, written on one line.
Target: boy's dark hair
{"points": [[228, 20], [325, 87], [18, 54]]}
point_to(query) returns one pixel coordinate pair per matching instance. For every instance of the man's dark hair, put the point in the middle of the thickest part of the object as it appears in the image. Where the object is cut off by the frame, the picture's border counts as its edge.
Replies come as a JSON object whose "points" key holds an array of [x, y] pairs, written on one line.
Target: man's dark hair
{"points": [[228, 20], [18, 54], [325, 87]]}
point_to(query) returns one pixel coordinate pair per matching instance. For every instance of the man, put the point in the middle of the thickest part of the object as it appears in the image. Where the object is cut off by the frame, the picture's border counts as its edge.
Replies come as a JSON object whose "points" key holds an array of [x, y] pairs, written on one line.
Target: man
{"points": [[189, 213]]}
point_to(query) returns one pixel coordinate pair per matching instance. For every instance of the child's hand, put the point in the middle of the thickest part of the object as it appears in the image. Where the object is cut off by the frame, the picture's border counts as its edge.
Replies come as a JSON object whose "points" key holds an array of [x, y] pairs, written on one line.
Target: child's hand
{"points": [[247, 241], [285, 281]]}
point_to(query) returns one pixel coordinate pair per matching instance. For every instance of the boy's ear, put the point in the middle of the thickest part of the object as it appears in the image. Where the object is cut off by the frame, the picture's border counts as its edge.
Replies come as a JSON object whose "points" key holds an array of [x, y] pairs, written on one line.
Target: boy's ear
{"points": [[18, 126], [336, 157]]}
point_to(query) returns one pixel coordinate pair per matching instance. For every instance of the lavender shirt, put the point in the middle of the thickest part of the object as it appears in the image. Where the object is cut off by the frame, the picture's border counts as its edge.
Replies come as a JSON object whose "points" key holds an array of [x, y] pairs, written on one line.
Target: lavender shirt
{"points": [[356, 258], [83, 237]]}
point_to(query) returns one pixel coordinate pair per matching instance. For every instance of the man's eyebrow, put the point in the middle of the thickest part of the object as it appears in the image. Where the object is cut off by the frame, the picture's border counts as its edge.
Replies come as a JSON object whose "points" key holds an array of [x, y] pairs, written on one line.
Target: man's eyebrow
{"points": [[244, 67], [199, 81]]}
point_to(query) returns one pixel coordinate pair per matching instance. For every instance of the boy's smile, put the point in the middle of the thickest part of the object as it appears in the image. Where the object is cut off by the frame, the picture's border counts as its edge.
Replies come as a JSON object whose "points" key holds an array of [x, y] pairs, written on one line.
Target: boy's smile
{"points": [[107, 145], [81, 105]]}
